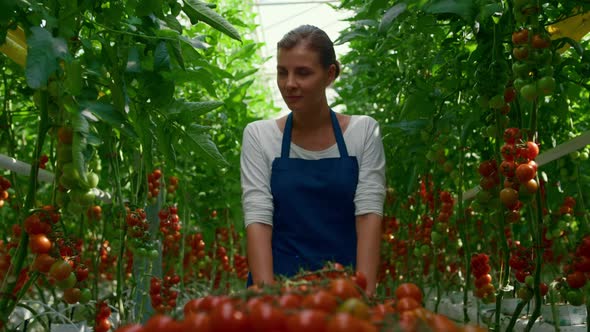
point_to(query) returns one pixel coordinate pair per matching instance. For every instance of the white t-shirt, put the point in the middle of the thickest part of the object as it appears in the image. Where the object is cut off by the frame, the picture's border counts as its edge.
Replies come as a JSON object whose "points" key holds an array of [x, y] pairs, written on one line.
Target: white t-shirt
{"points": [[262, 142]]}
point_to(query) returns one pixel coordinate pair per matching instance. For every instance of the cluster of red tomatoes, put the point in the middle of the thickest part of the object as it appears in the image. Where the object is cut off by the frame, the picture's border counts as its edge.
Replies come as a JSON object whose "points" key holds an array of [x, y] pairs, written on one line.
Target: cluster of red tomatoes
{"points": [[170, 229], [320, 305], [43, 161], [101, 321], [4, 186], [195, 257], [56, 258], [241, 266], [521, 262], [480, 269], [519, 169], [138, 231], [94, 213], [163, 296], [154, 185], [578, 272]]}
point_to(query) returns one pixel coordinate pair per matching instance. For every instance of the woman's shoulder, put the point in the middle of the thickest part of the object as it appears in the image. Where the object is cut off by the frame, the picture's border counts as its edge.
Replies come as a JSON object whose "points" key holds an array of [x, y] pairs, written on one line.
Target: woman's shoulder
{"points": [[261, 127], [362, 123]]}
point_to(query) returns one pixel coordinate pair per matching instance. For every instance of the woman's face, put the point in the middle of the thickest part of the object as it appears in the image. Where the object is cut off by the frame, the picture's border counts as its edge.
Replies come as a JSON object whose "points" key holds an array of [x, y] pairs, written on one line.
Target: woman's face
{"points": [[301, 78]]}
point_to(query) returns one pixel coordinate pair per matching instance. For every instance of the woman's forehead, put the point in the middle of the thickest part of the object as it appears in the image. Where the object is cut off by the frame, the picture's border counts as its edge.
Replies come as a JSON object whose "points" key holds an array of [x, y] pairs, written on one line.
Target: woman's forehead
{"points": [[299, 54]]}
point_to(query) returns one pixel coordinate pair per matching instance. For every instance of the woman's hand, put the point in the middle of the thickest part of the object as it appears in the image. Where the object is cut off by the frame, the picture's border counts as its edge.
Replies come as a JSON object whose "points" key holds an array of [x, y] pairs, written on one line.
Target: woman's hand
{"points": [[259, 251], [368, 231]]}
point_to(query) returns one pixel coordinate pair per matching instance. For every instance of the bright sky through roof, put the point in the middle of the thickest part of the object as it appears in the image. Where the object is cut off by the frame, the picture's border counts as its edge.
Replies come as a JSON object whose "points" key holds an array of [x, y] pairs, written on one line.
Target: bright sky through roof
{"points": [[277, 17]]}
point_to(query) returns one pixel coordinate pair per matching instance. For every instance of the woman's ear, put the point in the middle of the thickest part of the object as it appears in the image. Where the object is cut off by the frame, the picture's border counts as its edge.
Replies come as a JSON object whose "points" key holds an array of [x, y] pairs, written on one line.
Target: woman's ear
{"points": [[331, 74]]}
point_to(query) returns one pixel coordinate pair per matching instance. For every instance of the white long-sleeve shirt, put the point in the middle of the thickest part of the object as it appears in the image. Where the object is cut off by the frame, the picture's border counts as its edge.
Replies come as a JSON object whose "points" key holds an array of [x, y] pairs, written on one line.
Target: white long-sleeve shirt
{"points": [[262, 142]]}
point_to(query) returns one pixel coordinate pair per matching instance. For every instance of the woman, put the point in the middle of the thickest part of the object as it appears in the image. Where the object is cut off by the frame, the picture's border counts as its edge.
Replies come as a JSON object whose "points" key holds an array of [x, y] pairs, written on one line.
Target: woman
{"points": [[313, 182]]}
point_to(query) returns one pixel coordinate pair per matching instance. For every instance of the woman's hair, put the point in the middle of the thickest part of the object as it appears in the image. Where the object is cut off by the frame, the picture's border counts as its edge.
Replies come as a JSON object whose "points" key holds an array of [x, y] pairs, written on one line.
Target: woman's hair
{"points": [[316, 40]]}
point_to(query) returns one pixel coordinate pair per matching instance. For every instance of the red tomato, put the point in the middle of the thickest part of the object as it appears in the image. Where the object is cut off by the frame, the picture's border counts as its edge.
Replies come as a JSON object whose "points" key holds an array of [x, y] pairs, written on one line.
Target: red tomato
{"points": [[520, 36], [406, 304], [509, 197], [483, 280], [289, 301], [266, 317], [360, 280], [43, 263], [343, 288], [157, 323], [571, 202], [131, 328], [60, 270], [320, 300], [197, 322], [39, 244], [576, 279], [508, 168], [408, 290], [525, 172], [307, 320], [343, 322], [508, 151], [487, 168], [511, 135], [226, 317]]}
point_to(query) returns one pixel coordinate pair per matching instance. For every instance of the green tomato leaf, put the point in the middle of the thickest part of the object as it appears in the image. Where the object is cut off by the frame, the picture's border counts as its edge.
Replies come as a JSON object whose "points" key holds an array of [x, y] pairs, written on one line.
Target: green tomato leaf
{"points": [[43, 52], [173, 23], [107, 113], [177, 52], [195, 109], [391, 15], [199, 11], [133, 61], [161, 57], [199, 141], [466, 9]]}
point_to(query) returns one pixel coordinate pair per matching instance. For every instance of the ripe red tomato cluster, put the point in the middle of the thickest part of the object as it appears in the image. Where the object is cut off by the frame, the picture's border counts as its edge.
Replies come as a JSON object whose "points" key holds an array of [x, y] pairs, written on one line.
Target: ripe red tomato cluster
{"points": [[103, 312], [195, 259], [170, 228], [580, 267], [480, 269], [94, 213], [522, 264], [163, 296], [171, 188], [519, 169], [138, 231], [154, 185], [43, 161], [4, 186], [241, 266], [324, 305]]}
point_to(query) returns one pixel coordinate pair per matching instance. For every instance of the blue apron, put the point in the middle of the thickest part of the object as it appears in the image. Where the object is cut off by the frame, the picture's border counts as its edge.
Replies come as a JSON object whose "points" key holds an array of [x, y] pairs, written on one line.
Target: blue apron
{"points": [[314, 211]]}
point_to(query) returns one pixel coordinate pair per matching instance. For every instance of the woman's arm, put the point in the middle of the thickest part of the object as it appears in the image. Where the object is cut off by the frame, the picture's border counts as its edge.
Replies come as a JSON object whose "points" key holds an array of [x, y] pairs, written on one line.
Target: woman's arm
{"points": [[368, 231], [259, 250]]}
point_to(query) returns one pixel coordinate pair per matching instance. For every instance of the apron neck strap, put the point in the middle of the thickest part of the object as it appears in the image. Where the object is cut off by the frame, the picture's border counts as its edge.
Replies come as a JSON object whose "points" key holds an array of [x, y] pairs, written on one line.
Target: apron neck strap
{"points": [[286, 146]]}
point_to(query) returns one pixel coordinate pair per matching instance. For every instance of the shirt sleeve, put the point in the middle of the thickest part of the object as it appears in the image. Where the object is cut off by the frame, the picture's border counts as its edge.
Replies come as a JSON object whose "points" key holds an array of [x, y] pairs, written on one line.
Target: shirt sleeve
{"points": [[370, 191], [255, 179]]}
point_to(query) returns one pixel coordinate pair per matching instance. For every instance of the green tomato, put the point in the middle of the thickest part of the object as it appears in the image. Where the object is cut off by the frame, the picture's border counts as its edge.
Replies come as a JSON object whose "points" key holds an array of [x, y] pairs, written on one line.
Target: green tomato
{"points": [[497, 101], [575, 297], [529, 92], [546, 85], [68, 282], [529, 281], [85, 296]]}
